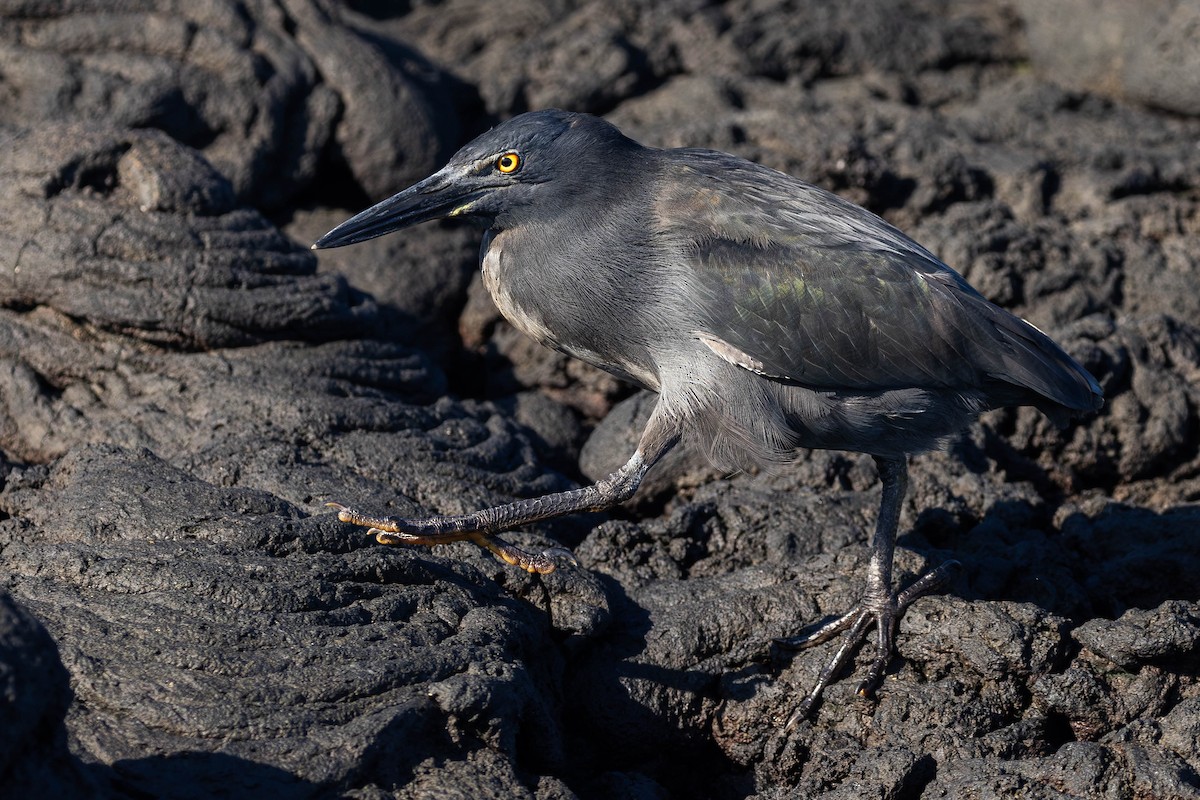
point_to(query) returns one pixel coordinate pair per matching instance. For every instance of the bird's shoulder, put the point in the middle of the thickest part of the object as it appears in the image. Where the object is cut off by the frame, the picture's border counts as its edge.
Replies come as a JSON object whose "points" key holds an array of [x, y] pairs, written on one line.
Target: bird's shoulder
{"points": [[709, 195]]}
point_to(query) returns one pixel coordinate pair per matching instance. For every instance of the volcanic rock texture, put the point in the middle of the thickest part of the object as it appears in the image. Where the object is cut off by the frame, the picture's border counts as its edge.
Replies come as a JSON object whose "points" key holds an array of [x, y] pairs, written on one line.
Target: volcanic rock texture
{"points": [[183, 385]]}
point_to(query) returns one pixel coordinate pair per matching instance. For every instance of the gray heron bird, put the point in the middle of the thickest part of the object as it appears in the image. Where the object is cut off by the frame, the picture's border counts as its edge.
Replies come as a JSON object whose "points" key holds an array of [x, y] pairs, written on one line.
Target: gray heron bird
{"points": [[768, 314]]}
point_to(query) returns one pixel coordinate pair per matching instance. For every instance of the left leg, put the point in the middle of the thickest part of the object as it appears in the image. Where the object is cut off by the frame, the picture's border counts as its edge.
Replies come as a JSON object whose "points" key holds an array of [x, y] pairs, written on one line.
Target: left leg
{"points": [[880, 605]]}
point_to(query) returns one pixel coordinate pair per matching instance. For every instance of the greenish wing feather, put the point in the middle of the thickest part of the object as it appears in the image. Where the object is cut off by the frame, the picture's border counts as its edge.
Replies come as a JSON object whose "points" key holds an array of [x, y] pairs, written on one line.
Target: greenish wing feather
{"points": [[820, 292], [838, 317]]}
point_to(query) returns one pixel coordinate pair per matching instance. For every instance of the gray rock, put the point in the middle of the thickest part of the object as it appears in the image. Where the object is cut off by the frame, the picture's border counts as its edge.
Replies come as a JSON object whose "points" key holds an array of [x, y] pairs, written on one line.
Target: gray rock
{"points": [[131, 231], [1170, 632], [1143, 52], [182, 387], [1078, 769], [310, 657], [34, 697], [261, 88]]}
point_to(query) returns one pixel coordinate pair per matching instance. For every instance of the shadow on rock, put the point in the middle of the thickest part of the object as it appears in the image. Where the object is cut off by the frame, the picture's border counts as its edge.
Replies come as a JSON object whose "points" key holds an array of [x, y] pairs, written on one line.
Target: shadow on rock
{"points": [[637, 719], [1098, 560], [34, 696], [200, 776]]}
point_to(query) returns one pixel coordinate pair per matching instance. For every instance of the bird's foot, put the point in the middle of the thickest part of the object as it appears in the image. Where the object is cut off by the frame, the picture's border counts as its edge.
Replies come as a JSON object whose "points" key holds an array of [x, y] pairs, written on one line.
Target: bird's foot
{"points": [[396, 530], [884, 612]]}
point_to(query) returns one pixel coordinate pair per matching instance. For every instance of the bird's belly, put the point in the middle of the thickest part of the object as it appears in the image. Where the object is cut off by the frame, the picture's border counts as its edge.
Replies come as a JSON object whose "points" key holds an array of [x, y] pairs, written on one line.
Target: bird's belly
{"points": [[525, 319], [532, 319]]}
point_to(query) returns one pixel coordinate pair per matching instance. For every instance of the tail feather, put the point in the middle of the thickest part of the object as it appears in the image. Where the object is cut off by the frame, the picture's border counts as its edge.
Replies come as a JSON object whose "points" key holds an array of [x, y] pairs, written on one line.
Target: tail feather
{"points": [[1032, 360]]}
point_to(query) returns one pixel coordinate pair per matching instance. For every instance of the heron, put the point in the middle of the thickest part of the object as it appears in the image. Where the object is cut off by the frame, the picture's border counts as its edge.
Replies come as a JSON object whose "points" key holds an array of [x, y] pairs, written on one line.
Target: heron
{"points": [[769, 316]]}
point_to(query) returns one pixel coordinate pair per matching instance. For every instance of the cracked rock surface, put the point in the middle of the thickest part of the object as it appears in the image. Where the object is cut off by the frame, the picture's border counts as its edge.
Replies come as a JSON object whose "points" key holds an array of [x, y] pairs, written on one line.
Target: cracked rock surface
{"points": [[184, 385]]}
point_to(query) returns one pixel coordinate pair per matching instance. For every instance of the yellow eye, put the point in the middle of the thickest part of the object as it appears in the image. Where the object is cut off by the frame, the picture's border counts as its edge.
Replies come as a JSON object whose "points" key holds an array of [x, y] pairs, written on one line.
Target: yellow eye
{"points": [[508, 163]]}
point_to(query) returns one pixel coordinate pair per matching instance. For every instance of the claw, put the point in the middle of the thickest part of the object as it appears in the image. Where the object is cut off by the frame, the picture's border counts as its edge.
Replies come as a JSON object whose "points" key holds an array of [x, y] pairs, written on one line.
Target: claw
{"points": [[391, 537], [541, 563], [819, 634], [382, 524], [561, 553], [801, 713], [853, 626]]}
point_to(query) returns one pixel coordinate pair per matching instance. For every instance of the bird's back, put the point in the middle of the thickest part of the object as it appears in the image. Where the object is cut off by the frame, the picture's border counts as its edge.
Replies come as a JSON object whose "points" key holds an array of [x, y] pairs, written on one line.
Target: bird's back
{"points": [[819, 292]]}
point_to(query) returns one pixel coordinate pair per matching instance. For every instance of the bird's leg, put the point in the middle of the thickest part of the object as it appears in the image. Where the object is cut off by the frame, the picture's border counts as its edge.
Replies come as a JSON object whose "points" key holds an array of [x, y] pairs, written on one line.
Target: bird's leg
{"points": [[880, 603], [482, 526]]}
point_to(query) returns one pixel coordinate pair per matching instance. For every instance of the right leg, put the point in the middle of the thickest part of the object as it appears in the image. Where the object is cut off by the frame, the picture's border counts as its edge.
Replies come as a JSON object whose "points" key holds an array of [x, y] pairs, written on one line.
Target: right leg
{"points": [[660, 435]]}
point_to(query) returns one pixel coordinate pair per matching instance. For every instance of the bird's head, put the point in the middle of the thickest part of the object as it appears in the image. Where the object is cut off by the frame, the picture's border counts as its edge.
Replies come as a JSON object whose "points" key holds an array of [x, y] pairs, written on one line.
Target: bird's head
{"points": [[529, 166]]}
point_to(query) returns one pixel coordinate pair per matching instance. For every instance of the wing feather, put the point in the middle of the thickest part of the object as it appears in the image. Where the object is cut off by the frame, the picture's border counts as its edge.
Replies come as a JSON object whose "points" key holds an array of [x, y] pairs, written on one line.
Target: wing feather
{"points": [[814, 290]]}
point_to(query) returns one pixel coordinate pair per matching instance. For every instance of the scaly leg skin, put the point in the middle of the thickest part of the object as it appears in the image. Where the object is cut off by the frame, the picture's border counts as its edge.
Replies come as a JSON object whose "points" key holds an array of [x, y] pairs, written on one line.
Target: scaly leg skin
{"points": [[481, 527], [881, 605], [386, 531]]}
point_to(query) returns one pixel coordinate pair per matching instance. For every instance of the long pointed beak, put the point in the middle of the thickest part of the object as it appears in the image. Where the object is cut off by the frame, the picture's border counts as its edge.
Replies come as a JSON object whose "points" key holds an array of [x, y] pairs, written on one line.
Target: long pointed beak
{"points": [[433, 198]]}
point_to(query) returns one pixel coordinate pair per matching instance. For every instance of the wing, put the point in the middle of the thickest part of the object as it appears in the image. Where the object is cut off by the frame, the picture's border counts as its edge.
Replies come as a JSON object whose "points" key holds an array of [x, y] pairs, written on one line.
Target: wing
{"points": [[828, 318], [800, 285]]}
